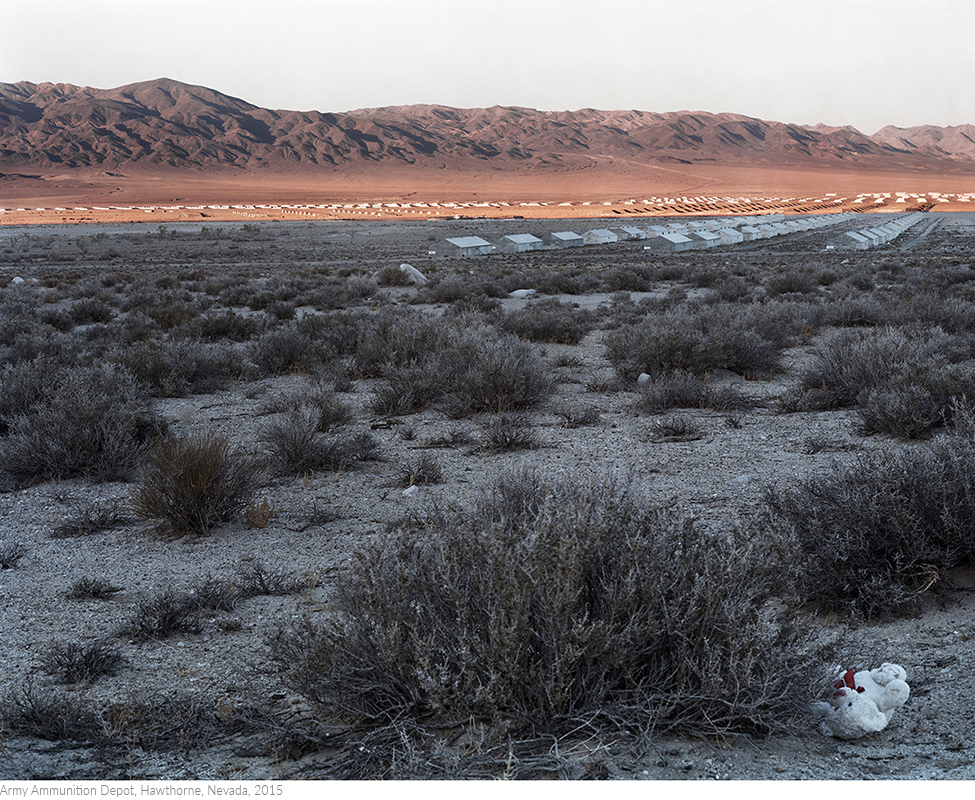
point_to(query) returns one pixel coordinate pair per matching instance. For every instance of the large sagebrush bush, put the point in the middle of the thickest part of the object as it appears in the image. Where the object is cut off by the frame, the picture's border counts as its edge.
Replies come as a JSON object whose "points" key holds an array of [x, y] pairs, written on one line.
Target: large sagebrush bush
{"points": [[395, 339], [497, 373], [549, 321], [549, 602], [175, 368], [742, 338], [289, 348], [874, 535], [902, 381], [463, 365], [61, 422]]}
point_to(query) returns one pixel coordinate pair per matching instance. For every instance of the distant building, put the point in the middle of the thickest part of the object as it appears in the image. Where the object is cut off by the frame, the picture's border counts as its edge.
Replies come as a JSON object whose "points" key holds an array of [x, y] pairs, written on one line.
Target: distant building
{"points": [[520, 243], [703, 239], [851, 240], [668, 243], [873, 235], [730, 236], [469, 246], [631, 233], [567, 239], [599, 236]]}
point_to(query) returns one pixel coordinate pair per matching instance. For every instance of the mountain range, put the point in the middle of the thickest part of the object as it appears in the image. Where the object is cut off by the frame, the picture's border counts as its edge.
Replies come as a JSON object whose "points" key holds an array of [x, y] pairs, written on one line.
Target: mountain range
{"points": [[163, 124]]}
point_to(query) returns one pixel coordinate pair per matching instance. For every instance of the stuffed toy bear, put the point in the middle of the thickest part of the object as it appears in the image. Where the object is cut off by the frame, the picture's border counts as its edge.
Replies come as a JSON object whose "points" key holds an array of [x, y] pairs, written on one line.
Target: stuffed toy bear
{"points": [[863, 702]]}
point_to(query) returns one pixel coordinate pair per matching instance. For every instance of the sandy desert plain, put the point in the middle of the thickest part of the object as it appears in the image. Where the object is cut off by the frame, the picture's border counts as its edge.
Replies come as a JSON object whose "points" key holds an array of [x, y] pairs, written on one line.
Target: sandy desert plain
{"points": [[629, 190], [195, 656]]}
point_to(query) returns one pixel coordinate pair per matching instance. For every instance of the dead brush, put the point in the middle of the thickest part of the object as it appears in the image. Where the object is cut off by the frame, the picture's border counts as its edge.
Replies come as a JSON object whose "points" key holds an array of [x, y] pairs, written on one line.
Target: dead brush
{"points": [[171, 611], [91, 588], [507, 432], [81, 662], [578, 417], [93, 518], [259, 513], [194, 483], [11, 553], [48, 715], [674, 428], [423, 471]]}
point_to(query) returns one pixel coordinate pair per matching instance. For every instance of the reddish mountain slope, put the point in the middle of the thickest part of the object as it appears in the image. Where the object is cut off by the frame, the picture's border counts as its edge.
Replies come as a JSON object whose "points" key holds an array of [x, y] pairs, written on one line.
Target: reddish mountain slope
{"points": [[956, 142], [166, 124]]}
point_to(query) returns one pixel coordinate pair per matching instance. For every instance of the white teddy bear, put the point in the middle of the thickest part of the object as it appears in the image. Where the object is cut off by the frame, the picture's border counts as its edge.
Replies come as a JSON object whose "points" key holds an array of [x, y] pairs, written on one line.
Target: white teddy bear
{"points": [[863, 702]]}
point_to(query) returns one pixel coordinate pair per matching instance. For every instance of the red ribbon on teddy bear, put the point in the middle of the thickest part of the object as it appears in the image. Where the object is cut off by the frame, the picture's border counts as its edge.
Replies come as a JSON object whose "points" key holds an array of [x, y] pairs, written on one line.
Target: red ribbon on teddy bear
{"points": [[846, 683]]}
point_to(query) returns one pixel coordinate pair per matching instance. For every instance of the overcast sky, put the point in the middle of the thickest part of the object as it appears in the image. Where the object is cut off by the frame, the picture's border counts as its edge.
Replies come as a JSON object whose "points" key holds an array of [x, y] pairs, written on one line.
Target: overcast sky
{"points": [[865, 63]]}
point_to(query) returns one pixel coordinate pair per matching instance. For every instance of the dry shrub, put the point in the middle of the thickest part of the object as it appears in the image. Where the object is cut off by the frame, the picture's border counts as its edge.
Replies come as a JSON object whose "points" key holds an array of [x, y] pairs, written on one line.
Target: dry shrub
{"points": [[45, 714], [295, 445], [62, 422], [685, 390], [904, 381], [81, 662], [507, 432], [461, 364], [91, 588], [176, 368], [170, 611], [549, 321], [259, 513], [498, 374], [742, 338], [423, 471], [11, 553], [872, 537], [92, 518], [548, 603], [194, 483]]}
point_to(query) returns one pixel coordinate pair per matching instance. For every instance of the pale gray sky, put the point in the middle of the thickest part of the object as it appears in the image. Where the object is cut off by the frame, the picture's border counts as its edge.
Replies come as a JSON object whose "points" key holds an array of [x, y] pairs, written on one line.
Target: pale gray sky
{"points": [[865, 63]]}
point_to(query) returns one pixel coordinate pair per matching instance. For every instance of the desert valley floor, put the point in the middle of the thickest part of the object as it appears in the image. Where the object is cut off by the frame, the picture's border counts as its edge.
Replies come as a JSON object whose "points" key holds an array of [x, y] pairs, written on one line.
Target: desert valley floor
{"points": [[228, 323]]}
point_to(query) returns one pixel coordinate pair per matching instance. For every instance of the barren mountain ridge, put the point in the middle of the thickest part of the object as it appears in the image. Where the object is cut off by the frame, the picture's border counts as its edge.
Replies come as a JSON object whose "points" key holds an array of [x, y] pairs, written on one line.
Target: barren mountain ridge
{"points": [[163, 124]]}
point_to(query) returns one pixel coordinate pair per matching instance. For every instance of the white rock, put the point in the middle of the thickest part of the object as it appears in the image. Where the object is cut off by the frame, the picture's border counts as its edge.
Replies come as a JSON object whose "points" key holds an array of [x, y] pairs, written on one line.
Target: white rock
{"points": [[521, 294], [416, 277]]}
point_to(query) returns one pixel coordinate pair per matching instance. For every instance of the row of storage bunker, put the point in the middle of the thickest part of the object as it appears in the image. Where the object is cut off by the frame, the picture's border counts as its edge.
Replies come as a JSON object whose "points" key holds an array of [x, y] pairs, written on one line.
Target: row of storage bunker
{"points": [[673, 237], [712, 233], [865, 238]]}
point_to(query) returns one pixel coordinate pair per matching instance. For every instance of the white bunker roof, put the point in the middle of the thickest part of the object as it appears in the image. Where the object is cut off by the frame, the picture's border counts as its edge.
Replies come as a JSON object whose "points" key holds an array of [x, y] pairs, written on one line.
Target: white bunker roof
{"points": [[521, 238], [468, 241]]}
